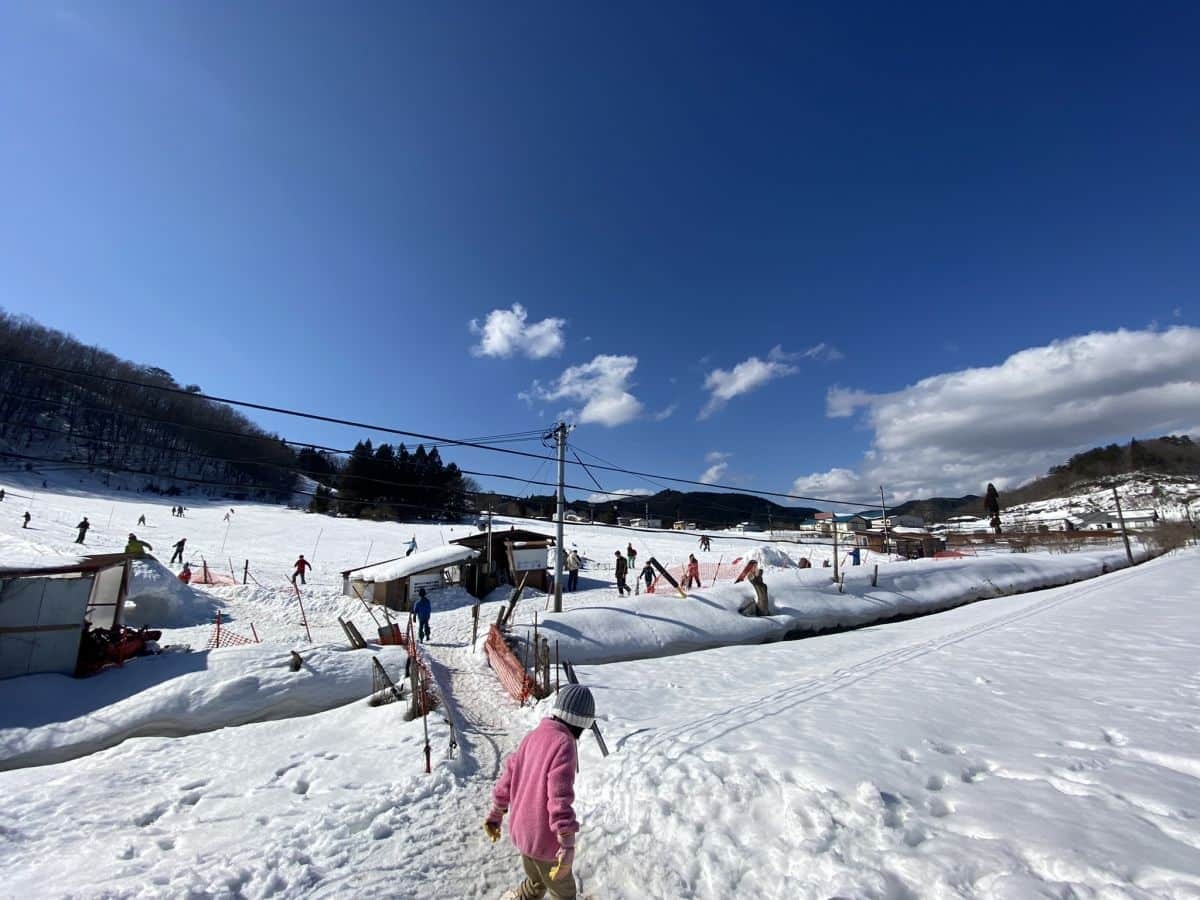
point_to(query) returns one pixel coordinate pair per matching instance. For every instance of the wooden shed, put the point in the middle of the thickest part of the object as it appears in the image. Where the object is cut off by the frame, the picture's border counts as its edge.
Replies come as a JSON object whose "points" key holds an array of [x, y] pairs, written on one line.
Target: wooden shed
{"points": [[394, 582], [45, 611], [515, 553]]}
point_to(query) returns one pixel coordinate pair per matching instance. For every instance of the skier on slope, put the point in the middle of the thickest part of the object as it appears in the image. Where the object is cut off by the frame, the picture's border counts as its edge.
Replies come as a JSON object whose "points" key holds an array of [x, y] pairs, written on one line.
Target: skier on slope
{"points": [[412, 545], [422, 610], [622, 572], [691, 575], [27, 517], [538, 787], [83, 530], [991, 506], [137, 547], [178, 554], [573, 565], [302, 565], [648, 577]]}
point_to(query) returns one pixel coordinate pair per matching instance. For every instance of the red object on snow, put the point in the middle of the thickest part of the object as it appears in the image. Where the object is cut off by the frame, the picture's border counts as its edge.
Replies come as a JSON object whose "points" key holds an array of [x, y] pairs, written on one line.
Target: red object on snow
{"points": [[949, 554]]}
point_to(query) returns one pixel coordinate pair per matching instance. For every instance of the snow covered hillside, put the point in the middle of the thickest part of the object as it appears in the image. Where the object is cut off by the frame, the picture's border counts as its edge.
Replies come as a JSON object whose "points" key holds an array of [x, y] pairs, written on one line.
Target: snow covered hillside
{"points": [[1036, 744], [1174, 497]]}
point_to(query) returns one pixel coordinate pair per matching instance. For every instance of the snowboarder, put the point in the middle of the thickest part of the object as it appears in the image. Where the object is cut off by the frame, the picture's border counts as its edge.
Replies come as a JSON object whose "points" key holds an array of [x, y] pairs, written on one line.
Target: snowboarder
{"points": [[135, 546], [83, 527], [1, 495], [622, 572], [538, 785], [302, 565], [142, 519], [648, 577], [27, 518], [991, 506], [573, 564], [421, 609], [705, 542], [178, 554], [412, 545], [631, 554], [227, 516], [186, 574], [691, 575]]}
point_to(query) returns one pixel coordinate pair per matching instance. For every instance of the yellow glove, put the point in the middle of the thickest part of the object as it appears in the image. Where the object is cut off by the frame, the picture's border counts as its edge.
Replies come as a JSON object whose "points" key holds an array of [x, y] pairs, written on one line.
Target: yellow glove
{"points": [[491, 825], [566, 858]]}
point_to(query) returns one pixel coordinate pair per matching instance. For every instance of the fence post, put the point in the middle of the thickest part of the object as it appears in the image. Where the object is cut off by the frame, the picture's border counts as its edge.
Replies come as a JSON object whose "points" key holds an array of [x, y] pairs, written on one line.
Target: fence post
{"points": [[875, 576], [246, 572], [474, 624], [835, 548]]}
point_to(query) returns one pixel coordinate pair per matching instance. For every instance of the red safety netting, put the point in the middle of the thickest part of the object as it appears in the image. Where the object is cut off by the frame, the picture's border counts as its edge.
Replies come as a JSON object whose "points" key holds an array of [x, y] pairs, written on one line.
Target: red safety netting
{"points": [[223, 637], [508, 668], [205, 575], [428, 694]]}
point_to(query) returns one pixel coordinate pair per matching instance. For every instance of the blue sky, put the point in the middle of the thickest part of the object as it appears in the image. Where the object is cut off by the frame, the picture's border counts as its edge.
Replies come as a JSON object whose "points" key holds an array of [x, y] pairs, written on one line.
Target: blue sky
{"points": [[804, 246]]}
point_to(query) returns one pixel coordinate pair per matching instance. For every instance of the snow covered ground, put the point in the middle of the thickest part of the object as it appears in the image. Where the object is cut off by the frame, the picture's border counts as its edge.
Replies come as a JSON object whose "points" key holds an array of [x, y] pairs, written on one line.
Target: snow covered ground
{"points": [[1042, 744]]}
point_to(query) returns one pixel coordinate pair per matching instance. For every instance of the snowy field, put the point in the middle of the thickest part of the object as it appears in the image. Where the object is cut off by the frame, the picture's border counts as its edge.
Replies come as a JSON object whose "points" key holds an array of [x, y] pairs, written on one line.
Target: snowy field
{"points": [[1038, 744]]}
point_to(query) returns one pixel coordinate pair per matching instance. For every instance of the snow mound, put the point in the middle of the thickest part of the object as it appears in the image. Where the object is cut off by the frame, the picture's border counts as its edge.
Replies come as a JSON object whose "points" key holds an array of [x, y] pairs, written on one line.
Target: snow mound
{"points": [[157, 597], [766, 556], [17, 553]]}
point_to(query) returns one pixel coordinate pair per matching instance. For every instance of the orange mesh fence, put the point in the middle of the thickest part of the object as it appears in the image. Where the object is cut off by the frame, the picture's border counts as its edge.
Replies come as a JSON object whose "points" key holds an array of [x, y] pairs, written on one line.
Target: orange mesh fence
{"points": [[428, 697], [509, 671], [223, 637]]}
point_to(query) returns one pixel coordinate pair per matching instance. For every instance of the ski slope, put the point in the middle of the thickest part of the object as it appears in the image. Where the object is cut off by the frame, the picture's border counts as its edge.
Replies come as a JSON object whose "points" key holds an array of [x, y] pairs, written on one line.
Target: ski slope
{"points": [[1038, 744]]}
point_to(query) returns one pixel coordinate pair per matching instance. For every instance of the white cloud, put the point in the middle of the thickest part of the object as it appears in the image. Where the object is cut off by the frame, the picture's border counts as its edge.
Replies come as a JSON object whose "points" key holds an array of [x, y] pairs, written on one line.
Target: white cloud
{"points": [[952, 433], [823, 352], [718, 463], [746, 376], [602, 386], [664, 414], [618, 494], [505, 332]]}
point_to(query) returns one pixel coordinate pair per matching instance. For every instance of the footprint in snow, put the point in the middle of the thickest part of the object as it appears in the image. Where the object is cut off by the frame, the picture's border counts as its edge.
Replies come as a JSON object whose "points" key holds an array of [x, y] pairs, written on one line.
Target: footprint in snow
{"points": [[1114, 737], [935, 782]]}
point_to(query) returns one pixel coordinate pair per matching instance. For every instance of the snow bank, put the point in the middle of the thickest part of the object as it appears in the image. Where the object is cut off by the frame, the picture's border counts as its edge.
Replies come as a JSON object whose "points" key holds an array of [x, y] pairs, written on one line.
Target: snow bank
{"points": [[768, 556], [51, 718], [158, 598], [1041, 745], [803, 600]]}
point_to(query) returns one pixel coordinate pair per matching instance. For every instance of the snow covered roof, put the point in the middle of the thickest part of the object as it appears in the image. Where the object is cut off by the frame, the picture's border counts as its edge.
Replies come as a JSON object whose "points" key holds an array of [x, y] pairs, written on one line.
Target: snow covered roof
{"points": [[18, 554], [421, 561]]}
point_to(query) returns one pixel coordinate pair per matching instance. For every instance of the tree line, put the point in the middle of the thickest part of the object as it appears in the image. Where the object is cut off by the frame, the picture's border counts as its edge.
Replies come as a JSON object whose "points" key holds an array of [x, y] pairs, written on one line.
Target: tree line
{"points": [[182, 442]]}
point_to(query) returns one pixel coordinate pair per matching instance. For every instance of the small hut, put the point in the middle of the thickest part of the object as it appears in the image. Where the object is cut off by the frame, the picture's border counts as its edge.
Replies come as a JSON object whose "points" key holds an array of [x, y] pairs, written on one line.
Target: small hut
{"points": [[394, 582], [505, 557], [45, 611]]}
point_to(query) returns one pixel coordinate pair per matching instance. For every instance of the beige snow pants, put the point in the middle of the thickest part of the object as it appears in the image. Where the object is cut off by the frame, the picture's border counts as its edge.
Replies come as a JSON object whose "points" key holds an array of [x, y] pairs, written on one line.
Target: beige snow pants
{"points": [[537, 881]]}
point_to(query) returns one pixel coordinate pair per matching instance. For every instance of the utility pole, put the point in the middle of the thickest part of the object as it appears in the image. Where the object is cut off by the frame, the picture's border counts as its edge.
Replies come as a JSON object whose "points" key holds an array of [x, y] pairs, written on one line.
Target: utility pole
{"points": [[883, 507], [560, 438], [1124, 533]]}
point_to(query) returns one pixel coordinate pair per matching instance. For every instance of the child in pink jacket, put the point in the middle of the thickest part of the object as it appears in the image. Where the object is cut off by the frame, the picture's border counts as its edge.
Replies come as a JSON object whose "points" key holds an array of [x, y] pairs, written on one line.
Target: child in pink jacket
{"points": [[538, 787]]}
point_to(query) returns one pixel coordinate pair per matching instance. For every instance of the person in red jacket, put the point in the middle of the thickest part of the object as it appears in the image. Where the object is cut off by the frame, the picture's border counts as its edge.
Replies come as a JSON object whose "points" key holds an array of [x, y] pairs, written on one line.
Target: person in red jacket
{"points": [[538, 787], [302, 565], [691, 575], [186, 574]]}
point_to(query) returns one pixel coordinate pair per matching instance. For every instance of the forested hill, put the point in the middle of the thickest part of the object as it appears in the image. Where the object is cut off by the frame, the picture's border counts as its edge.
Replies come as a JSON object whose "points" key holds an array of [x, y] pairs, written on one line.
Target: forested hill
{"points": [[1167, 455], [57, 415], [50, 418]]}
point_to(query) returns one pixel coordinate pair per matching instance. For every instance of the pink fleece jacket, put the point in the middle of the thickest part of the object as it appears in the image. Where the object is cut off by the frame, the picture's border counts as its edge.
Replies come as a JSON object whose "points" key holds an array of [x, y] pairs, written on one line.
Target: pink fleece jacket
{"points": [[538, 790]]}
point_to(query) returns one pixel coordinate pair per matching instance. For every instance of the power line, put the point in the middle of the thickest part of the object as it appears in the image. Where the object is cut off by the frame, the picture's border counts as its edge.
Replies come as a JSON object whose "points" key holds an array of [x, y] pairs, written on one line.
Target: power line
{"points": [[333, 420], [267, 489]]}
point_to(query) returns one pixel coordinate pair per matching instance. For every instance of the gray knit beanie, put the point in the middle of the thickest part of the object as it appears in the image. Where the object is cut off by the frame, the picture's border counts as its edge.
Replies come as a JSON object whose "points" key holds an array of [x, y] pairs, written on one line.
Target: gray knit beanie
{"points": [[575, 706]]}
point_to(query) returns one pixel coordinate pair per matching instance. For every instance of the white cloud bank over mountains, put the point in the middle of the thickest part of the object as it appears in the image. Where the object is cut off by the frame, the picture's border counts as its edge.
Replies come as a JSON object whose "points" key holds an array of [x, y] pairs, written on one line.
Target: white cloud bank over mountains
{"points": [[718, 463], [506, 332], [950, 434]]}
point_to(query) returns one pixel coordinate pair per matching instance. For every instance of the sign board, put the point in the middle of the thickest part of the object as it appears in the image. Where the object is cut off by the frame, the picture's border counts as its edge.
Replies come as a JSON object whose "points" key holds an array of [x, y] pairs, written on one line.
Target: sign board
{"points": [[529, 559]]}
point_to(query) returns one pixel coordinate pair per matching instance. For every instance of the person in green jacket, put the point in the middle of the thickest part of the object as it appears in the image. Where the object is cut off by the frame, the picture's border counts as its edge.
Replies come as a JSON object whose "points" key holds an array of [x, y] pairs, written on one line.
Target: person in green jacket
{"points": [[136, 547]]}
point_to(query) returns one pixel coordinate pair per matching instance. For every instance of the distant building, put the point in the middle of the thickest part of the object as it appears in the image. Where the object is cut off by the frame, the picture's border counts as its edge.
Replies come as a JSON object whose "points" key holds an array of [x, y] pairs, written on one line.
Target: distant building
{"points": [[645, 523]]}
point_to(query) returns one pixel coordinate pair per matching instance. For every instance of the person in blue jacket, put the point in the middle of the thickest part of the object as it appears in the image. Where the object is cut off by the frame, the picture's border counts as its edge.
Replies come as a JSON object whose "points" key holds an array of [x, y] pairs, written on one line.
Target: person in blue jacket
{"points": [[421, 609]]}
